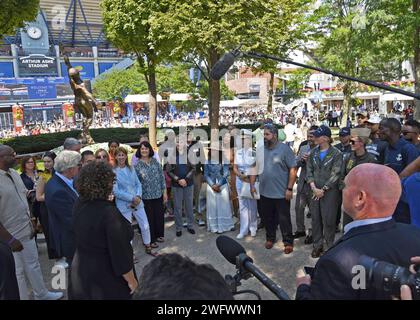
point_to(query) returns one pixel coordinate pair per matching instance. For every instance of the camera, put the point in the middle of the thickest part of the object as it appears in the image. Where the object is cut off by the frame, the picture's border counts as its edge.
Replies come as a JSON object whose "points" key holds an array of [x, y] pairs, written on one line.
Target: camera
{"points": [[389, 277]]}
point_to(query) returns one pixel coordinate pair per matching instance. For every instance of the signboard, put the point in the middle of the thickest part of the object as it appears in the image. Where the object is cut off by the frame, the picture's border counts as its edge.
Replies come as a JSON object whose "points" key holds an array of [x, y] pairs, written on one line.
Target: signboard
{"points": [[87, 69], [37, 64], [6, 70], [42, 91]]}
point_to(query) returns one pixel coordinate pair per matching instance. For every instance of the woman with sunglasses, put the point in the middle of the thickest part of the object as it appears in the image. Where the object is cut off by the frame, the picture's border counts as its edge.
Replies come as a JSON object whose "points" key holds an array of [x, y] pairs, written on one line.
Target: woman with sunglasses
{"points": [[358, 141]]}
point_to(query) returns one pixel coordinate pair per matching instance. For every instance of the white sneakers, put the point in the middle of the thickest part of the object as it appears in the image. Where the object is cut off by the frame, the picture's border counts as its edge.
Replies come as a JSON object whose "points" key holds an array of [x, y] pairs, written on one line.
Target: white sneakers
{"points": [[241, 236], [62, 263], [52, 296]]}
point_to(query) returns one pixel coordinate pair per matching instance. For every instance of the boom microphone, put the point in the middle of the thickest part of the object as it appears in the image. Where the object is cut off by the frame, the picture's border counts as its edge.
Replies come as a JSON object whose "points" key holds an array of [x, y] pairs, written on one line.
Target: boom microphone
{"points": [[229, 248], [236, 254], [223, 65]]}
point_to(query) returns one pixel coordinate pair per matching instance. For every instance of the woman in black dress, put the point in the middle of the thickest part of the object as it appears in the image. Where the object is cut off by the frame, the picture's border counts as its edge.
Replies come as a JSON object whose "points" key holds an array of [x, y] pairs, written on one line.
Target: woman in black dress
{"points": [[103, 266]]}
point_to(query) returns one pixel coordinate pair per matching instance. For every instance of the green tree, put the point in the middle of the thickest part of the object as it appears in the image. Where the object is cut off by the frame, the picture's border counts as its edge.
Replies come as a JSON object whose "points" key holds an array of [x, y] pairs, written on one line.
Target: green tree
{"points": [[399, 20], [285, 30], [349, 42], [127, 25], [14, 14], [202, 30], [296, 82], [117, 83]]}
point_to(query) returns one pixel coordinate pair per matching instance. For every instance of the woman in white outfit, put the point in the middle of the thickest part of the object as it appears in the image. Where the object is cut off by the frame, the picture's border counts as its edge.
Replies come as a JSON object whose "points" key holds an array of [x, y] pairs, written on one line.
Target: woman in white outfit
{"points": [[245, 162], [128, 192]]}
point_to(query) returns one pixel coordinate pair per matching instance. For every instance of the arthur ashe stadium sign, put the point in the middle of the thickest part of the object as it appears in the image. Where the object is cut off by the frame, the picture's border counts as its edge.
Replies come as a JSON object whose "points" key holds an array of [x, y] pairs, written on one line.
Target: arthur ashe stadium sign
{"points": [[37, 65]]}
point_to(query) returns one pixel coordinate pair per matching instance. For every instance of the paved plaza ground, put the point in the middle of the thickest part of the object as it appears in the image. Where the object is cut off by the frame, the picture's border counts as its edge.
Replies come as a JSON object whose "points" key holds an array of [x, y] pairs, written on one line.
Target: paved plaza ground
{"points": [[201, 248]]}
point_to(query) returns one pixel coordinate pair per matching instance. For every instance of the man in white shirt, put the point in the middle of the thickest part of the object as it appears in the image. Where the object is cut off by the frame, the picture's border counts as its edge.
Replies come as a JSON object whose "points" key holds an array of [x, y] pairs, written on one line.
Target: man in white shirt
{"points": [[290, 130]]}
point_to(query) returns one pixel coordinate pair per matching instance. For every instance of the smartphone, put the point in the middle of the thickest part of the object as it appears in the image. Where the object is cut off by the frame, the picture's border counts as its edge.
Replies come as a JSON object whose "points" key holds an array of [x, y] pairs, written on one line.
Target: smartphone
{"points": [[309, 271]]}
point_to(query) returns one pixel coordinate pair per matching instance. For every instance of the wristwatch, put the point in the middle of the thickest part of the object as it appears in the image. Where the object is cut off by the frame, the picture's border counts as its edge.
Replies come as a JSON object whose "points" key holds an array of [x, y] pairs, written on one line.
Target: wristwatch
{"points": [[325, 188]]}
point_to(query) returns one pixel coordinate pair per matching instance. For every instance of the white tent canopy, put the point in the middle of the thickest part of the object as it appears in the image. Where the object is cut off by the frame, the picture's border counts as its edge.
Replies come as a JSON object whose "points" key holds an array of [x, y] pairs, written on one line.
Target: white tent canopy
{"points": [[395, 97], [144, 98], [140, 98]]}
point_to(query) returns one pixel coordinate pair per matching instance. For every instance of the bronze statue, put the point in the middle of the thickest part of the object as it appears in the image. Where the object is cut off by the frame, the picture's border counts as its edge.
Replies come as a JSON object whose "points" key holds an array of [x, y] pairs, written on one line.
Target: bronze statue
{"points": [[84, 102]]}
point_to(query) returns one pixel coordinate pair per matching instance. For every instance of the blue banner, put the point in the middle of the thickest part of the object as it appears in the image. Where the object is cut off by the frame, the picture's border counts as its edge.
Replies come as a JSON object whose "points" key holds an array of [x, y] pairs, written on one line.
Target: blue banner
{"points": [[42, 91], [6, 70], [105, 66], [87, 72]]}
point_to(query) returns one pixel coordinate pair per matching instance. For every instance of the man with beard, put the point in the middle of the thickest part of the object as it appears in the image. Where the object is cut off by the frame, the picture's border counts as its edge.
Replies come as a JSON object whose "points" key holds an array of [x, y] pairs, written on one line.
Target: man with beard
{"points": [[411, 132], [276, 188]]}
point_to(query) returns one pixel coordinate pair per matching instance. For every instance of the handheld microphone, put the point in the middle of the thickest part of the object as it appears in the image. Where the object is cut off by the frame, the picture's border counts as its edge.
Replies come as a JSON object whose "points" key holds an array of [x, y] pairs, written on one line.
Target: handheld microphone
{"points": [[236, 254], [223, 65]]}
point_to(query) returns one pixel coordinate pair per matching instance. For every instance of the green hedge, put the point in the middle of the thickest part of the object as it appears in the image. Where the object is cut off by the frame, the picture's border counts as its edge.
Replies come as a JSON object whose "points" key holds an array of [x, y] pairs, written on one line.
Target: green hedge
{"points": [[45, 142]]}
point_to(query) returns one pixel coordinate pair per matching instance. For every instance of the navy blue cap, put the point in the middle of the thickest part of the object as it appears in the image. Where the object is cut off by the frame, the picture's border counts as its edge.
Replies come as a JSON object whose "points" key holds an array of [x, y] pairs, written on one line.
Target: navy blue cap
{"points": [[344, 132], [322, 131]]}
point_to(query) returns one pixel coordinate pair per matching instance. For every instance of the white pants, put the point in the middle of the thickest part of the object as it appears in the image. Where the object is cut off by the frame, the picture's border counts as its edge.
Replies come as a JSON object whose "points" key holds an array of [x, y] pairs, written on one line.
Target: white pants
{"points": [[248, 215], [140, 214], [27, 263]]}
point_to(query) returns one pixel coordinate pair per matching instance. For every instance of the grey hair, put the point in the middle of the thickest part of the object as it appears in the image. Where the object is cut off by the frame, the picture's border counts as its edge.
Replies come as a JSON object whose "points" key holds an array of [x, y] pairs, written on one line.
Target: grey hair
{"points": [[70, 142], [66, 159]]}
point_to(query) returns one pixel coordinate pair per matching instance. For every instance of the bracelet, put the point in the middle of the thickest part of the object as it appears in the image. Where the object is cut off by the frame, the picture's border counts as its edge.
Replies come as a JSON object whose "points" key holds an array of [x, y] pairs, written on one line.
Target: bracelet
{"points": [[13, 239]]}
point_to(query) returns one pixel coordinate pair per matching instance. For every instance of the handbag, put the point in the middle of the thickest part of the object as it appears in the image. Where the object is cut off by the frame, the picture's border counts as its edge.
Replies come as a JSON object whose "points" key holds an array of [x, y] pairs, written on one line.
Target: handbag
{"points": [[246, 190]]}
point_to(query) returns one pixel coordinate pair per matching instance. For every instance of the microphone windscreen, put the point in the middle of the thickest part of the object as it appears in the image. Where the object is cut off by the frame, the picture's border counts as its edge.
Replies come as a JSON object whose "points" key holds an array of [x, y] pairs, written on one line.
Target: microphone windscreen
{"points": [[229, 248], [222, 66]]}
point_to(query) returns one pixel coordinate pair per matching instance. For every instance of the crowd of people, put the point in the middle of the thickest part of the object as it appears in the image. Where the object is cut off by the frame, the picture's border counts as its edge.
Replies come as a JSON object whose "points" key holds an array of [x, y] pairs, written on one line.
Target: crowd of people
{"points": [[85, 202]]}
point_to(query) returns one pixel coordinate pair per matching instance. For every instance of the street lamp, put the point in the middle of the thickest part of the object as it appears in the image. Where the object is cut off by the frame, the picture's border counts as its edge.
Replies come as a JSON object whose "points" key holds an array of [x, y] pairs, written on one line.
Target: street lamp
{"points": [[227, 60]]}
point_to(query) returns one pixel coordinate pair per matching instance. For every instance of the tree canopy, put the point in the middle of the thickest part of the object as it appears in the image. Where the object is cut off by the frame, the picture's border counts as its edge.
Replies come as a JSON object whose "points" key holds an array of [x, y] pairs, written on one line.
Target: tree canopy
{"points": [[14, 14]]}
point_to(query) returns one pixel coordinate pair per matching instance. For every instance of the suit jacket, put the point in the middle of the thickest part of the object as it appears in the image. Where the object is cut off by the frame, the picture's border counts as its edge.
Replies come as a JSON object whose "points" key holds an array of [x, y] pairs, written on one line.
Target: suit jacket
{"points": [[386, 241], [60, 199]]}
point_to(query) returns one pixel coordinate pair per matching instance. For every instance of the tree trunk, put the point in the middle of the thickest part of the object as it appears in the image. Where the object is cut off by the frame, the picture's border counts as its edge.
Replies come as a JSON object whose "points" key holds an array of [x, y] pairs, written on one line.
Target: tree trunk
{"points": [[152, 108], [270, 93], [214, 98], [416, 62], [346, 110]]}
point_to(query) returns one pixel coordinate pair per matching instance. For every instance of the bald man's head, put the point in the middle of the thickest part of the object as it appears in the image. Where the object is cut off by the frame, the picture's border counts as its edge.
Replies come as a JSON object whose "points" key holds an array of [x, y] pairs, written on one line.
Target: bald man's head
{"points": [[371, 191]]}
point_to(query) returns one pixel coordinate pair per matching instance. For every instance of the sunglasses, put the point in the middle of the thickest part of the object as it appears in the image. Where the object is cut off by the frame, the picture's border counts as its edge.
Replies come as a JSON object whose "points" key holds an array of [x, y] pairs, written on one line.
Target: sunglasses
{"points": [[407, 132], [353, 142], [101, 157]]}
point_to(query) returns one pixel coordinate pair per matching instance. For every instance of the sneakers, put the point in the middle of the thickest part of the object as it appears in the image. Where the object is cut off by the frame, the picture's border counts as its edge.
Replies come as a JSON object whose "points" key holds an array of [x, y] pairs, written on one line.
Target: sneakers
{"points": [[240, 236], [62, 263], [253, 233], [191, 230], [51, 296], [185, 224], [201, 223]]}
